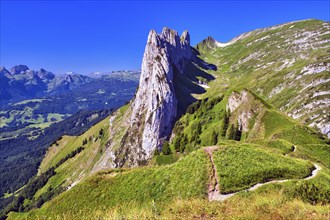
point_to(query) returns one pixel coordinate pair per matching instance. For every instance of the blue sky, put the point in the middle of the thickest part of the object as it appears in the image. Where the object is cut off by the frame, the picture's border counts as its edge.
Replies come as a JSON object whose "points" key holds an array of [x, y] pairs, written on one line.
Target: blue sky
{"points": [[87, 36]]}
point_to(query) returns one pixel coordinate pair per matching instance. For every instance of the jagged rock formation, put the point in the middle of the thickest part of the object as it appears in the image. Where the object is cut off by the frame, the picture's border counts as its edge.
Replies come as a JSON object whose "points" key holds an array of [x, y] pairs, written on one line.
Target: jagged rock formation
{"points": [[155, 106], [235, 99], [245, 111], [244, 114], [251, 118], [171, 70]]}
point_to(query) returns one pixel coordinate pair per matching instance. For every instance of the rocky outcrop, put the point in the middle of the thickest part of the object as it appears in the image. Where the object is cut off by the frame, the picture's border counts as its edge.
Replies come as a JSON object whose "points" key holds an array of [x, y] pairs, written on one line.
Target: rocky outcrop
{"points": [[235, 99], [45, 75], [168, 61], [154, 108], [19, 69], [207, 44], [243, 106]]}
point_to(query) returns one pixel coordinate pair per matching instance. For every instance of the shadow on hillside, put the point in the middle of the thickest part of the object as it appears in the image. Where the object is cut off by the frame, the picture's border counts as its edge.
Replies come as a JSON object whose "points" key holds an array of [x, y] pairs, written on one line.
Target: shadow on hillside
{"points": [[186, 83]]}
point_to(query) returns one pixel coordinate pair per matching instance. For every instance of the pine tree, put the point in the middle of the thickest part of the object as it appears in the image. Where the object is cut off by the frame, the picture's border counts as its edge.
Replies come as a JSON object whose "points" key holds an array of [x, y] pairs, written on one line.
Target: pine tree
{"points": [[166, 148], [214, 138], [199, 128], [225, 123], [183, 143], [231, 133], [238, 133], [177, 142], [101, 132], [156, 152]]}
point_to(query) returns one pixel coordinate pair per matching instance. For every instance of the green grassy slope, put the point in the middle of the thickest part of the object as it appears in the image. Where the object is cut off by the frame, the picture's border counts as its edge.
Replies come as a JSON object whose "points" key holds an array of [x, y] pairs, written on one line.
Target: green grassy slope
{"points": [[68, 161], [72, 159], [68, 144], [179, 190], [315, 152], [155, 186], [242, 166], [94, 141], [211, 123], [287, 65]]}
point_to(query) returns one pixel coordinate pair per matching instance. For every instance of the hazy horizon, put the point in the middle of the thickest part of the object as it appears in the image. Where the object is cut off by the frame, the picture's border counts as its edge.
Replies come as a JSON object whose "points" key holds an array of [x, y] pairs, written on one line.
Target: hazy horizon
{"points": [[74, 72]]}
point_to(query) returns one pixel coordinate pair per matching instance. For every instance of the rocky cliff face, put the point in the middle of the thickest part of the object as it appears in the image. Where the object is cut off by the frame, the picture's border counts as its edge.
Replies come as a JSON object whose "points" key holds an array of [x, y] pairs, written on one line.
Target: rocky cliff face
{"points": [[170, 73], [244, 108], [244, 114], [154, 108]]}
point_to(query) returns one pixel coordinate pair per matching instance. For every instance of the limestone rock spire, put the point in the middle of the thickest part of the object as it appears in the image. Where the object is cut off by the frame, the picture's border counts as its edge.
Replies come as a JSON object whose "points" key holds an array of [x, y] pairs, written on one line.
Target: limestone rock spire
{"points": [[154, 109]]}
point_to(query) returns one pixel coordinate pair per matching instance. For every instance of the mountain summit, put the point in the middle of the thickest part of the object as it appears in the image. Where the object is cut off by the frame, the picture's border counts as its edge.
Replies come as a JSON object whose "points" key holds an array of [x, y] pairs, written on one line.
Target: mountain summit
{"points": [[19, 69], [154, 109], [170, 74], [167, 58]]}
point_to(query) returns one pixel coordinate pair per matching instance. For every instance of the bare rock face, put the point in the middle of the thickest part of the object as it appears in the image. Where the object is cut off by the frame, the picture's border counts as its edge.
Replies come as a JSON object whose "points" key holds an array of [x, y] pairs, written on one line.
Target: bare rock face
{"points": [[244, 107], [235, 99], [169, 76], [154, 109]]}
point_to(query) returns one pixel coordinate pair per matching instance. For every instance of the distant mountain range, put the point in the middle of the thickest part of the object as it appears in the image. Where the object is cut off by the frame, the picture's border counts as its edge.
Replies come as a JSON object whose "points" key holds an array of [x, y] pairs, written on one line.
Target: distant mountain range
{"points": [[20, 83], [38, 107], [34, 99], [119, 73]]}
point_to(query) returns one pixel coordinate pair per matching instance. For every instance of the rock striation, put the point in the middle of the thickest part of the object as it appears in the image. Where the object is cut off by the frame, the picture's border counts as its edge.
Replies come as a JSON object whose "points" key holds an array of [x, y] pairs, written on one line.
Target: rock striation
{"points": [[244, 114], [170, 72], [245, 107], [154, 109], [167, 69]]}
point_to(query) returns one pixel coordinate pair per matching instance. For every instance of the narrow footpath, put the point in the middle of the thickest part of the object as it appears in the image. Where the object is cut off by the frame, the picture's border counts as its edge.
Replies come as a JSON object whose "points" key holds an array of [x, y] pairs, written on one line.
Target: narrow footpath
{"points": [[214, 189]]}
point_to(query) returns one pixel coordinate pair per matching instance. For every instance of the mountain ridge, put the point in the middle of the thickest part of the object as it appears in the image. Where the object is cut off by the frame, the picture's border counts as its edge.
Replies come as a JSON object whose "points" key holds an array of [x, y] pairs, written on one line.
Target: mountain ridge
{"points": [[286, 64], [23, 83], [214, 42], [20, 83]]}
